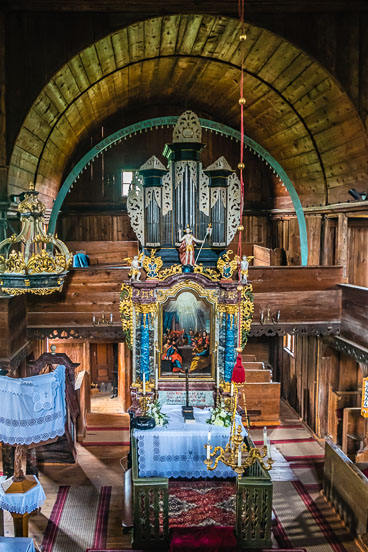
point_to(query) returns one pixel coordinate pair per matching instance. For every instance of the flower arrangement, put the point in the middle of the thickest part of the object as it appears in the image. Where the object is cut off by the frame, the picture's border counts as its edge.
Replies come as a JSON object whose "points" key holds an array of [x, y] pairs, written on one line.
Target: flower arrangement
{"points": [[154, 410], [220, 416]]}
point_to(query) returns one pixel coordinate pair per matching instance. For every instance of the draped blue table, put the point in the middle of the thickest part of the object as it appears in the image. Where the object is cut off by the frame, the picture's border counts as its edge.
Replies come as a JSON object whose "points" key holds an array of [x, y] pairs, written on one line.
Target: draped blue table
{"points": [[80, 260], [20, 544], [177, 450]]}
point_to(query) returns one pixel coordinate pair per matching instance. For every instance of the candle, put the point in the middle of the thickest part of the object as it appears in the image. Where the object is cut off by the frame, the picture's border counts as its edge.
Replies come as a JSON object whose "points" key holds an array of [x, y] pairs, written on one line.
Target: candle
{"points": [[217, 375], [268, 449], [110, 316], [208, 452], [209, 436], [232, 389], [239, 456], [156, 378], [265, 436], [144, 383], [94, 318]]}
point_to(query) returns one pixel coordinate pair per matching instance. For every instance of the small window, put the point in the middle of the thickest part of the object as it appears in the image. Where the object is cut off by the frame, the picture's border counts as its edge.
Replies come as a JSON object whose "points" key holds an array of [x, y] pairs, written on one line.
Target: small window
{"points": [[126, 178], [289, 344]]}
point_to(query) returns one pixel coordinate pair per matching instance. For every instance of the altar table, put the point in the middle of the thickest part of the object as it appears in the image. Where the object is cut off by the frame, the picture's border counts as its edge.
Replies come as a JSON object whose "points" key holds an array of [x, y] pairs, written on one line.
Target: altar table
{"points": [[177, 449]]}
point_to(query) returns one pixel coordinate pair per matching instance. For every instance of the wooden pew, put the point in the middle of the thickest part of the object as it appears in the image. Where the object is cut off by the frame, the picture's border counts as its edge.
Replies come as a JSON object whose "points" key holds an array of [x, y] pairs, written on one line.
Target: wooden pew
{"points": [[346, 489], [262, 402], [248, 358], [253, 365], [258, 376]]}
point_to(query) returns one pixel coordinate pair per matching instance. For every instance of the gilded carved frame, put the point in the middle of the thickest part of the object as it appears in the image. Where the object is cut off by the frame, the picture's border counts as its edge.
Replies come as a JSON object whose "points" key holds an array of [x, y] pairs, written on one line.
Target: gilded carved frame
{"points": [[209, 296]]}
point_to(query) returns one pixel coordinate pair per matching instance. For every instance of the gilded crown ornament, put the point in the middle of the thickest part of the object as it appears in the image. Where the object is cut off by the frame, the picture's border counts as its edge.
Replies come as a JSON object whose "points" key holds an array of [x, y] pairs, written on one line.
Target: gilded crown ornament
{"points": [[33, 261]]}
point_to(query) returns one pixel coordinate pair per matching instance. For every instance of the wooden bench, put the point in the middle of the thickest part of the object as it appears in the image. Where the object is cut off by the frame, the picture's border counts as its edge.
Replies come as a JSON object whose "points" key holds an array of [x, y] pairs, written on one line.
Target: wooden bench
{"points": [[258, 376], [262, 402], [248, 358], [253, 365]]}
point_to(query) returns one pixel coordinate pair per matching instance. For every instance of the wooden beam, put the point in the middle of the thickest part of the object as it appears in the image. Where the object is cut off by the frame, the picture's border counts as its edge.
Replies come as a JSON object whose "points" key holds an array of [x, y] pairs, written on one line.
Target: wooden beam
{"points": [[341, 251], [2, 96]]}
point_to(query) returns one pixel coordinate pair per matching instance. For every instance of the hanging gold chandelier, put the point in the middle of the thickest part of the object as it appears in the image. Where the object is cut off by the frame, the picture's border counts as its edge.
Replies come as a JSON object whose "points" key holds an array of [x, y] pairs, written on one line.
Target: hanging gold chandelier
{"points": [[33, 261]]}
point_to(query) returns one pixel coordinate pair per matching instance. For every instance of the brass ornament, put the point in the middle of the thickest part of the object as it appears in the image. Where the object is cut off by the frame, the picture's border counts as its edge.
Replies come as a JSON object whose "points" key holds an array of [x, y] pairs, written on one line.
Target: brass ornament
{"points": [[236, 453], [241, 166], [207, 272], [242, 101], [169, 271]]}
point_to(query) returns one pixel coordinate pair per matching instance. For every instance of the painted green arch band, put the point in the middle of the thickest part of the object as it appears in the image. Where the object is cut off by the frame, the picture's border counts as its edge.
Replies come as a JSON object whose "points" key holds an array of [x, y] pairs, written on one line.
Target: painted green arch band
{"points": [[171, 121]]}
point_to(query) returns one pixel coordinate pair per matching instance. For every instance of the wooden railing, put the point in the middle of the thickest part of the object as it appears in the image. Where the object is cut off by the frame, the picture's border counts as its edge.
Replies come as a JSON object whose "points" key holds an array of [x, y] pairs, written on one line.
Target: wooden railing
{"points": [[346, 489], [150, 508], [254, 507]]}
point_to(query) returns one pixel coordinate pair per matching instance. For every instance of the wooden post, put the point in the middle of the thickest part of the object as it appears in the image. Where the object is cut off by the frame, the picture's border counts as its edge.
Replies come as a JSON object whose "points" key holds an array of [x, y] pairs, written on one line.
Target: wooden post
{"points": [[326, 245], [341, 252], [20, 522], [3, 167]]}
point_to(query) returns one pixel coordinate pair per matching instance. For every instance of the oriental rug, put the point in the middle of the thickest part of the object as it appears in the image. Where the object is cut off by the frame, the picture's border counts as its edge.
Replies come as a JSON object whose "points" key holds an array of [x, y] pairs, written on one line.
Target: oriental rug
{"points": [[78, 520], [201, 503]]}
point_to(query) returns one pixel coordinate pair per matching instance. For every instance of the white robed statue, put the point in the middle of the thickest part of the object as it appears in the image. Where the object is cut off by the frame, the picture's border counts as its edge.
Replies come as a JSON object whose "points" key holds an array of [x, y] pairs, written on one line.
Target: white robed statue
{"points": [[187, 245]]}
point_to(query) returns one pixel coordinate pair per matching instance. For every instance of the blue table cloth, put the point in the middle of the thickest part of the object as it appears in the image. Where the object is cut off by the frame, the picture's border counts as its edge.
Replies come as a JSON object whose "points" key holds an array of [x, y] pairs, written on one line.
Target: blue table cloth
{"points": [[32, 409], [16, 544], [177, 449], [22, 503], [80, 260]]}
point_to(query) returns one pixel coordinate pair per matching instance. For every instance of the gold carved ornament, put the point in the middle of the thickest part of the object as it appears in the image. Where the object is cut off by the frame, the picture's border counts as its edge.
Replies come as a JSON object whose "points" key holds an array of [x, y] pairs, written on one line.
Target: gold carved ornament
{"points": [[209, 294], [246, 313], [126, 313], [169, 271], [152, 265], [208, 272], [227, 266]]}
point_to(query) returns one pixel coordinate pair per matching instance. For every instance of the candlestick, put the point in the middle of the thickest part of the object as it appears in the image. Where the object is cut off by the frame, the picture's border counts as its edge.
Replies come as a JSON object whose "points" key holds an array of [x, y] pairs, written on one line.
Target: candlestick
{"points": [[232, 389], [268, 449], [239, 456], [208, 451], [144, 383], [265, 436]]}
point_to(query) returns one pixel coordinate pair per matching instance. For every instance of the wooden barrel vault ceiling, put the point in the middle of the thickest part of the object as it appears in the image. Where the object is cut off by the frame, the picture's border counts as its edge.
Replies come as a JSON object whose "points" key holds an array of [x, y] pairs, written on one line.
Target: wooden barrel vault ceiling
{"points": [[295, 108]]}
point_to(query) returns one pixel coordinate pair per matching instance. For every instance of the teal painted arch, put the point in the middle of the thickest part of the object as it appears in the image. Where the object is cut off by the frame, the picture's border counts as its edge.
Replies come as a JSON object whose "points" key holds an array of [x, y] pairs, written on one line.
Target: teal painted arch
{"points": [[171, 121]]}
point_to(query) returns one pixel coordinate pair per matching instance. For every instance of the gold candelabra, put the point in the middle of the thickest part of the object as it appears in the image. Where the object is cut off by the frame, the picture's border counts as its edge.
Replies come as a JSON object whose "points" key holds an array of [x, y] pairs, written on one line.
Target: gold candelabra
{"points": [[142, 388], [236, 454], [102, 321]]}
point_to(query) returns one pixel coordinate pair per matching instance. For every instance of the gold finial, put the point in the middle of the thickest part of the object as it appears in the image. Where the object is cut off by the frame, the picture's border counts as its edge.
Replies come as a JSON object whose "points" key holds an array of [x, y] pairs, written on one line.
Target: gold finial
{"points": [[32, 186]]}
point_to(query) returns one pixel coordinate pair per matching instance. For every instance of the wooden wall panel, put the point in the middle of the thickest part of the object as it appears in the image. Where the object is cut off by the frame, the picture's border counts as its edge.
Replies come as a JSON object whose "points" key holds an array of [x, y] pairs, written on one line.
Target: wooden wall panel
{"points": [[358, 252], [354, 318], [13, 335]]}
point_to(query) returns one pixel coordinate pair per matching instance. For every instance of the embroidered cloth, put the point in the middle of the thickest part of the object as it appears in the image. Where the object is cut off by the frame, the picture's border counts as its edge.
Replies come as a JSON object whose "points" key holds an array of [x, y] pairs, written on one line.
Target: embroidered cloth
{"points": [[32, 409], [178, 449], [22, 503], [16, 544]]}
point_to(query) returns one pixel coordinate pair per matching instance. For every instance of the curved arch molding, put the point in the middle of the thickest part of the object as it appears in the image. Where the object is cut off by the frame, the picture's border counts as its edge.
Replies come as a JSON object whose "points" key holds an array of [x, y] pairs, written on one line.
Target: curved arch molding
{"points": [[171, 121]]}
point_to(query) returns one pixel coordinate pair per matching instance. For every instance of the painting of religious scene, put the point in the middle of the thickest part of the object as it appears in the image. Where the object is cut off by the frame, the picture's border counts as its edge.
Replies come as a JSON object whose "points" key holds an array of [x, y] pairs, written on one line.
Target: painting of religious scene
{"points": [[186, 339]]}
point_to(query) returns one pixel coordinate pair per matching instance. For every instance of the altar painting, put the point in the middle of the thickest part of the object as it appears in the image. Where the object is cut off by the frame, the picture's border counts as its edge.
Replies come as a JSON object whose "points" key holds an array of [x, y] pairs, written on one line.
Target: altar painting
{"points": [[186, 337]]}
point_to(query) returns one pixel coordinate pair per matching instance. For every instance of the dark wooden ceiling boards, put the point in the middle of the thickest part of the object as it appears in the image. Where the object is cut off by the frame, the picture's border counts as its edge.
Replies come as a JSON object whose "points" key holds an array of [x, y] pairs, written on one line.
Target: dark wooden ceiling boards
{"points": [[295, 108]]}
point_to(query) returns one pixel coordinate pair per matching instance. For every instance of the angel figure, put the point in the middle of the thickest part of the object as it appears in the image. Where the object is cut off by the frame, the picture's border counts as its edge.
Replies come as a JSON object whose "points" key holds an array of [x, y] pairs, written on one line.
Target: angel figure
{"points": [[152, 265], [226, 266], [135, 266]]}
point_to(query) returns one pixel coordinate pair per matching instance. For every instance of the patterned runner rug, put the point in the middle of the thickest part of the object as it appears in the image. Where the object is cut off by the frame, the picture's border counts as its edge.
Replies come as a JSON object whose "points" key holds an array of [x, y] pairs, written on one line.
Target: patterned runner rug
{"points": [[78, 520], [201, 503]]}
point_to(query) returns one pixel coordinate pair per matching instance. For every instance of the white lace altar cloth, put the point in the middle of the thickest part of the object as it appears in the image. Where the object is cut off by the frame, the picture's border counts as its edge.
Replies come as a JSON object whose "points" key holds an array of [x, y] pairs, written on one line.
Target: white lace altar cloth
{"points": [[177, 449], [32, 409]]}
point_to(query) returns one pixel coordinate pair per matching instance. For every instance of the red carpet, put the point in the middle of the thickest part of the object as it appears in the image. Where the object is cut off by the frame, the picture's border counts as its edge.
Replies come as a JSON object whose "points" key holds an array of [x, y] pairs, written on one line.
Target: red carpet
{"points": [[201, 503]]}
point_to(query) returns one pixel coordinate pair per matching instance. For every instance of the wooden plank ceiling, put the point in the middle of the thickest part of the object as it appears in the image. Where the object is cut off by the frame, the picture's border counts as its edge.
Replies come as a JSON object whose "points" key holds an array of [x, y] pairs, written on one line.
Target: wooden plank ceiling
{"points": [[294, 107]]}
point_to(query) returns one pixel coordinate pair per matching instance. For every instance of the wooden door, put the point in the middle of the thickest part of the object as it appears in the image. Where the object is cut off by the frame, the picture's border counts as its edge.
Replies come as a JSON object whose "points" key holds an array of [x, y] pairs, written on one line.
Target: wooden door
{"points": [[102, 362]]}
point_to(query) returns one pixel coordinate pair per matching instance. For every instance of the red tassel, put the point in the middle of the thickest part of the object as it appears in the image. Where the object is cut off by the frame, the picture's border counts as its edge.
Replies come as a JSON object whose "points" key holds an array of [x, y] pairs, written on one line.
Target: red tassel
{"points": [[238, 371]]}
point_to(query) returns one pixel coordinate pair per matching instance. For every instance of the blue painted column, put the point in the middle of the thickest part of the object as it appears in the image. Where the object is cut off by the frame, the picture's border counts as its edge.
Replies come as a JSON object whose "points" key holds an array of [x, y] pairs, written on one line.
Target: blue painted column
{"points": [[144, 358], [229, 346]]}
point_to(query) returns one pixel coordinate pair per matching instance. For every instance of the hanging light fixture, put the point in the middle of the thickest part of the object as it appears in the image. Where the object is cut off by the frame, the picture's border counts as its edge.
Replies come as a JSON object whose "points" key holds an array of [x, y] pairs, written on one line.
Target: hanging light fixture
{"points": [[33, 261]]}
